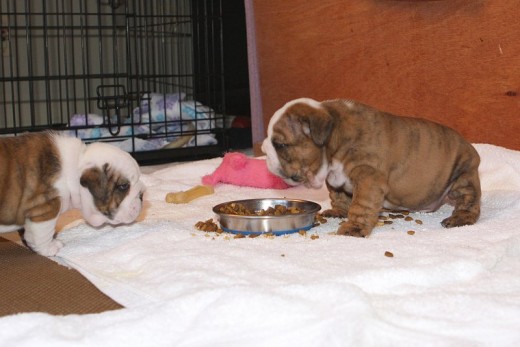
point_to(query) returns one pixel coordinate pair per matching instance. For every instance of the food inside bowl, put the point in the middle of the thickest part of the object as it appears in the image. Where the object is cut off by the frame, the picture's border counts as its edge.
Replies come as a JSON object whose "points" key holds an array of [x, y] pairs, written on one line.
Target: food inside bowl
{"points": [[258, 216], [240, 209]]}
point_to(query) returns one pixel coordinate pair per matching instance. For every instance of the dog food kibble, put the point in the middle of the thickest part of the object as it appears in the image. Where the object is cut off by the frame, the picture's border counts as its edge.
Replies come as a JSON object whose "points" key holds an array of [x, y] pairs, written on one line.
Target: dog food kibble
{"points": [[208, 226], [410, 232], [389, 254], [418, 221], [396, 216], [319, 218], [241, 210], [408, 219], [314, 237]]}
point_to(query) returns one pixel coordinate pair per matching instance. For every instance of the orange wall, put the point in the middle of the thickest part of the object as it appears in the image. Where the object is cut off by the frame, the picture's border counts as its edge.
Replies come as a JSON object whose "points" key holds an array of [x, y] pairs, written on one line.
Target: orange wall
{"points": [[453, 61]]}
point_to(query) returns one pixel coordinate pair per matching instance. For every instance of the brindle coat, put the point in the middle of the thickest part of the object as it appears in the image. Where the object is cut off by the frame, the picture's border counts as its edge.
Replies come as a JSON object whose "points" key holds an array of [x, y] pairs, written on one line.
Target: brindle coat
{"points": [[373, 160]]}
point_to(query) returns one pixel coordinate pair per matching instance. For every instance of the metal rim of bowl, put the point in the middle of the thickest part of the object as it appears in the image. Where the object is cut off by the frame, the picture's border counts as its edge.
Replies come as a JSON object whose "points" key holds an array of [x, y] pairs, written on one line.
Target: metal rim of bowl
{"points": [[314, 208]]}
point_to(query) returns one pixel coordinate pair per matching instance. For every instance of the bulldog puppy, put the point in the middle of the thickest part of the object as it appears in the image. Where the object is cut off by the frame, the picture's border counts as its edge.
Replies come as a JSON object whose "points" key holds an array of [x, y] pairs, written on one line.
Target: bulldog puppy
{"points": [[44, 174], [372, 160]]}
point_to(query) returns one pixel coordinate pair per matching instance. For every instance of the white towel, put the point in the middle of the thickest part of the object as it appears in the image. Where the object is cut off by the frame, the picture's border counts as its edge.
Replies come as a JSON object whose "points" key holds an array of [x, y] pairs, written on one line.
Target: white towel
{"points": [[183, 287]]}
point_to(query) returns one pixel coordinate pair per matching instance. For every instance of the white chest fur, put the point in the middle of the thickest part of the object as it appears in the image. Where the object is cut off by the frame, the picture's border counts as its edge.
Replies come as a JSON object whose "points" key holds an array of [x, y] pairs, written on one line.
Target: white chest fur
{"points": [[337, 178]]}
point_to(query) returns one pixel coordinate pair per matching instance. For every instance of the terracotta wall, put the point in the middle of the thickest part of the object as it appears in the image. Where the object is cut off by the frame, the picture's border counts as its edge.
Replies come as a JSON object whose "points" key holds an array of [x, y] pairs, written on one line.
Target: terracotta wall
{"points": [[453, 61]]}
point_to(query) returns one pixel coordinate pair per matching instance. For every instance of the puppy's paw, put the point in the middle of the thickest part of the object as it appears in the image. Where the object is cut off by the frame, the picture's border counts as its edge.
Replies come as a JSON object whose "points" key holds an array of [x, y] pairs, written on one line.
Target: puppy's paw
{"points": [[350, 229], [50, 249], [460, 218], [335, 213]]}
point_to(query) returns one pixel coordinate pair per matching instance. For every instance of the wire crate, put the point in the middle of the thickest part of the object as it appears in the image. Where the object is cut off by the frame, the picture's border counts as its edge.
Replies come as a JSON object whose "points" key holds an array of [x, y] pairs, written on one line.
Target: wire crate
{"points": [[145, 75]]}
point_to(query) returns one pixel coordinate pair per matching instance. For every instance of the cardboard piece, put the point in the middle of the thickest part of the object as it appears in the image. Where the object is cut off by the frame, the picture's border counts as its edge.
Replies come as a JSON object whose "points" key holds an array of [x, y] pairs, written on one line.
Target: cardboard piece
{"points": [[32, 283]]}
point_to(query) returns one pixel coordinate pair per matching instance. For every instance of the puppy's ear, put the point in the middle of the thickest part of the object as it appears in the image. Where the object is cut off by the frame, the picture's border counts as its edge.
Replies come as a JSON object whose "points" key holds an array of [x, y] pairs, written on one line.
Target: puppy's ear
{"points": [[95, 180], [317, 124]]}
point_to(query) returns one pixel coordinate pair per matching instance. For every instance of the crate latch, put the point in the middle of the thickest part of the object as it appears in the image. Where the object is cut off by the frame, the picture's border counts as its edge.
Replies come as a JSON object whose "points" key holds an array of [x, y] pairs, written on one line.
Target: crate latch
{"points": [[112, 97]]}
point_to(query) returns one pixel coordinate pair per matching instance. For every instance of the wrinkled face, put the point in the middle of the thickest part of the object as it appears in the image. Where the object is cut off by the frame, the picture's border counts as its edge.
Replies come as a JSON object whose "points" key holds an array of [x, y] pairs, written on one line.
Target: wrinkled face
{"points": [[295, 143], [111, 191]]}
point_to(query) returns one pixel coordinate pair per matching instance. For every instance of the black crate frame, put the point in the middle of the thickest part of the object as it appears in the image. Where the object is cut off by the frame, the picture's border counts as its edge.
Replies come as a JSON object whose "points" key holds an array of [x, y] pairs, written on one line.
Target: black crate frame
{"points": [[110, 58]]}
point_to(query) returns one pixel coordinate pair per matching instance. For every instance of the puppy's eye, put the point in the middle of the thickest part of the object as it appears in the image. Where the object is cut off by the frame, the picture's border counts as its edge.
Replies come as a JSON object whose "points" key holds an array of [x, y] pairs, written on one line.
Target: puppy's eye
{"points": [[123, 187], [279, 145]]}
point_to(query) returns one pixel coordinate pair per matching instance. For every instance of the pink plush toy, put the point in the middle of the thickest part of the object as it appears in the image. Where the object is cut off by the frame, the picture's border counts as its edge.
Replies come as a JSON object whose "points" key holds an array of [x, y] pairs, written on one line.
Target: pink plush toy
{"points": [[238, 169]]}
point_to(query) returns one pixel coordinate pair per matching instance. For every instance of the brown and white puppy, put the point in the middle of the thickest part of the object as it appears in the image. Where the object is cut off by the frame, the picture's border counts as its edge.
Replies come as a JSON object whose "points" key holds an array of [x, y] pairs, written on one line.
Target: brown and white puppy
{"points": [[44, 174], [372, 160]]}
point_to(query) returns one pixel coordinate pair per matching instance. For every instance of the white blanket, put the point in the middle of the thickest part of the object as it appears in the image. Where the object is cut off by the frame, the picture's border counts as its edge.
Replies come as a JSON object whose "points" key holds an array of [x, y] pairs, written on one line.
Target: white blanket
{"points": [[183, 287]]}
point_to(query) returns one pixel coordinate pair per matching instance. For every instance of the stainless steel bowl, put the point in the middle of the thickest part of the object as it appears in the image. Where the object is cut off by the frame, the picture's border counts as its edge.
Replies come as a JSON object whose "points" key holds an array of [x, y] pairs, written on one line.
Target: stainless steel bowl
{"points": [[277, 225]]}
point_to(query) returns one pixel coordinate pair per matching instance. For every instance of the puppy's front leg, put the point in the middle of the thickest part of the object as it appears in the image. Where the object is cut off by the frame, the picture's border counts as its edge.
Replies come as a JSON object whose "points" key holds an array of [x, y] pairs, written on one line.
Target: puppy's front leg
{"points": [[370, 189], [39, 236], [40, 226], [340, 202]]}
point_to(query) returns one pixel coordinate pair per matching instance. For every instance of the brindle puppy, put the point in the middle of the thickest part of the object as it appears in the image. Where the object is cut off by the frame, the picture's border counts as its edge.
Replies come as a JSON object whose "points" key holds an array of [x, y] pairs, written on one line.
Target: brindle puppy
{"points": [[372, 160]]}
